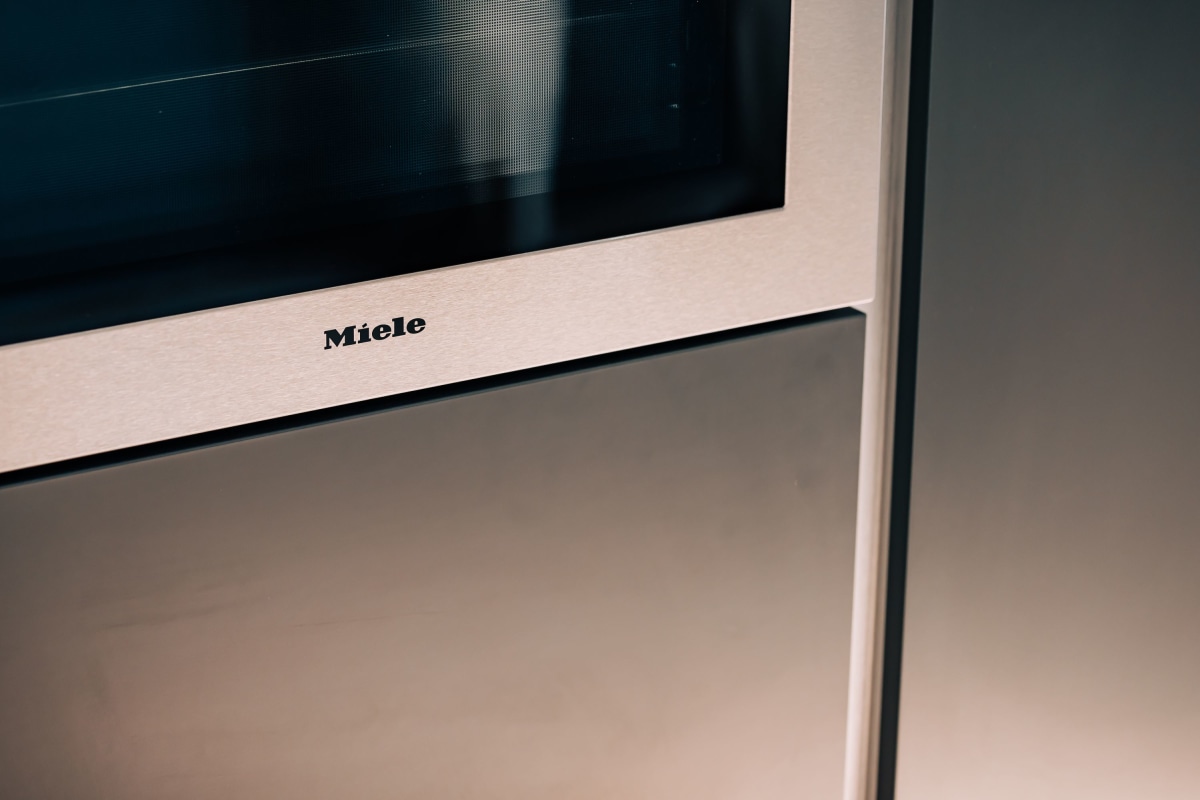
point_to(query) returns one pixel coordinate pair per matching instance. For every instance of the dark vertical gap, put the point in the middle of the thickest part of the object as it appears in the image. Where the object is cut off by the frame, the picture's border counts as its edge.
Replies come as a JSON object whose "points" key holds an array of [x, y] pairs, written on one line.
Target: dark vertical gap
{"points": [[906, 386]]}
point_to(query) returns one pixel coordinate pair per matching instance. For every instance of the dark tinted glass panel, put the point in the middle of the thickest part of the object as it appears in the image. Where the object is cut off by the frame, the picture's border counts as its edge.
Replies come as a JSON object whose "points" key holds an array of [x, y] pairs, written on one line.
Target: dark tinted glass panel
{"points": [[159, 157]]}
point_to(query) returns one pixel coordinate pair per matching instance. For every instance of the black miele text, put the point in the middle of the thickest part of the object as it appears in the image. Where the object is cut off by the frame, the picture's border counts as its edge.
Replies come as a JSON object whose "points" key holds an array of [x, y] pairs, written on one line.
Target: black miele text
{"points": [[365, 333]]}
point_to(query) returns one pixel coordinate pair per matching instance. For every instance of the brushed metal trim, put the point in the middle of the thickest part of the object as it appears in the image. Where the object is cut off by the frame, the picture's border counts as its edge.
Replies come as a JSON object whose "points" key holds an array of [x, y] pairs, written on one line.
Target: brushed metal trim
{"points": [[102, 390], [878, 427]]}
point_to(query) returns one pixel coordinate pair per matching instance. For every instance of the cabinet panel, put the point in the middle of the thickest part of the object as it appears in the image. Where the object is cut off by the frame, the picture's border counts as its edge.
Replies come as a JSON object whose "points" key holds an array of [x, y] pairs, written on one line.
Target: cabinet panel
{"points": [[629, 581], [1050, 640]]}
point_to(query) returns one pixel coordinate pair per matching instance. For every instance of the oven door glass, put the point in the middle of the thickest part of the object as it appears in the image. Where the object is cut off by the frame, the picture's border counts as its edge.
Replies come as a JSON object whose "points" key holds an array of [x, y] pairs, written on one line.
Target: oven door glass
{"points": [[163, 157]]}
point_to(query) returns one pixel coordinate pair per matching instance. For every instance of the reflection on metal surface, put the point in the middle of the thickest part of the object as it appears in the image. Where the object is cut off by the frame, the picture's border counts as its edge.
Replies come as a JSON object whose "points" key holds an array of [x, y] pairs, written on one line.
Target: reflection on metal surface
{"points": [[506, 77]]}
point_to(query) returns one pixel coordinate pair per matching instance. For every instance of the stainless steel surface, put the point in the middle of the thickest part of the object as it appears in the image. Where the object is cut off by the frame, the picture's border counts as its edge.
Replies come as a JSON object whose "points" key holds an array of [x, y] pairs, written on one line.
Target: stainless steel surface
{"points": [[1050, 646], [876, 442], [629, 582], [88, 393]]}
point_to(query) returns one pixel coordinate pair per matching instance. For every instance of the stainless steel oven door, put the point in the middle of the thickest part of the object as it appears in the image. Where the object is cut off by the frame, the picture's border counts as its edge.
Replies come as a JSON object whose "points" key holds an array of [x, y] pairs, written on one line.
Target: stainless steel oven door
{"points": [[266, 273]]}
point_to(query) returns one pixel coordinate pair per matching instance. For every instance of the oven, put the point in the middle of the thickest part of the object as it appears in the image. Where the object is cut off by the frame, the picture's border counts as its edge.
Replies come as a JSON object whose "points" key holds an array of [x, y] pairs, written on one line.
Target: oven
{"points": [[215, 214], [440, 398]]}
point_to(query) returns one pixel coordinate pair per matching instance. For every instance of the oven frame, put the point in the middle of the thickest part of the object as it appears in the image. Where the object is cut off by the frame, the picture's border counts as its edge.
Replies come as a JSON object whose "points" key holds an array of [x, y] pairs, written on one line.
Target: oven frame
{"points": [[74, 396]]}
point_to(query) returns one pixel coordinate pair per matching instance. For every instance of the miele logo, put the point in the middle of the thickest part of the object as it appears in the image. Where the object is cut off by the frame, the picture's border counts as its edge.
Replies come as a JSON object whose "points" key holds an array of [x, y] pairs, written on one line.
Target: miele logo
{"points": [[347, 336]]}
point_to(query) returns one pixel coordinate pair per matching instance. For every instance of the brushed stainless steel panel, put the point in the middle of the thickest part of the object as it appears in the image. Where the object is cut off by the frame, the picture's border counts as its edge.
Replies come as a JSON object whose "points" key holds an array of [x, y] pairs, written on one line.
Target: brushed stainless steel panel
{"points": [[629, 582], [1051, 645], [86, 393]]}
